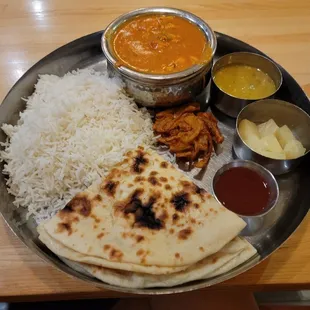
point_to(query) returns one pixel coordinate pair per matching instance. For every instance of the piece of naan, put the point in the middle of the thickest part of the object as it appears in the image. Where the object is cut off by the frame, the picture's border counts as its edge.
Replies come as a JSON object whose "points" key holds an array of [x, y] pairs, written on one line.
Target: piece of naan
{"points": [[232, 255], [63, 251], [147, 213]]}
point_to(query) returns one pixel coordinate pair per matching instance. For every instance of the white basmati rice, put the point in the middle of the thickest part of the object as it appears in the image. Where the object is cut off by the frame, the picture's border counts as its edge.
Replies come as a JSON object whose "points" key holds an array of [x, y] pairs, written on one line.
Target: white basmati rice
{"points": [[73, 130]]}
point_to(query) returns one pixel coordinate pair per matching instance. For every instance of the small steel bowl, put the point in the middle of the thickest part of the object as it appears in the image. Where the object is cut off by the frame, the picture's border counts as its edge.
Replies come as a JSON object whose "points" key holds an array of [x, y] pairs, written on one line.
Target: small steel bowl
{"points": [[255, 223], [283, 113], [157, 90], [263, 172], [229, 104]]}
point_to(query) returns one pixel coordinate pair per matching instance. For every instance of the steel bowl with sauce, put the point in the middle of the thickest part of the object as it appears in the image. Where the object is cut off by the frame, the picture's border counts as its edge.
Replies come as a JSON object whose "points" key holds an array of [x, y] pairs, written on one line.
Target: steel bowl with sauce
{"points": [[227, 99], [283, 113], [247, 189], [156, 88]]}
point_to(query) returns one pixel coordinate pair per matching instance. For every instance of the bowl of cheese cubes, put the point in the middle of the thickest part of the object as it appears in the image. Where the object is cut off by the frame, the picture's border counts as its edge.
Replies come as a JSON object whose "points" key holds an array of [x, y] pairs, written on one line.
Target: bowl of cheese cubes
{"points": [[273, 133]]}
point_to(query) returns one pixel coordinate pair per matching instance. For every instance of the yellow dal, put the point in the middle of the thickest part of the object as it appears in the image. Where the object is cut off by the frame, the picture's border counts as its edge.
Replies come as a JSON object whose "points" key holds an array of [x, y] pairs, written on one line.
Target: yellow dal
{"points": [[244, 82]]}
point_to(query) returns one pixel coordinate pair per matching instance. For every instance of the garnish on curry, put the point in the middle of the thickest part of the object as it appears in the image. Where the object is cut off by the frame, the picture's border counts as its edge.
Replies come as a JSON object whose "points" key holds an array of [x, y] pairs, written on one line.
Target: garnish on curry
{"points": [[160, 44]]}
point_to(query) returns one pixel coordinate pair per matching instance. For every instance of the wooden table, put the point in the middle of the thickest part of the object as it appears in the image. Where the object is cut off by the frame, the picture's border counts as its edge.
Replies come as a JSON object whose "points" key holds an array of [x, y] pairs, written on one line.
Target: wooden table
{"points": [[31, 29]]}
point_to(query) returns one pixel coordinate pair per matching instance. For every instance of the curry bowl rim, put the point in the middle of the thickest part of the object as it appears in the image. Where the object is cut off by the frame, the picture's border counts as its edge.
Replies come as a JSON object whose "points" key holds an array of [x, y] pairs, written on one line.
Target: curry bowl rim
{"points": [[136, 75]]}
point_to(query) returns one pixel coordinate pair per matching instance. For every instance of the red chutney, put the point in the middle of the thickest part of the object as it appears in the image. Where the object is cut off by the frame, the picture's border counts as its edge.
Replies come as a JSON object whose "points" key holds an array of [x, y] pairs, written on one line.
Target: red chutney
{"points": [[242, 191]]}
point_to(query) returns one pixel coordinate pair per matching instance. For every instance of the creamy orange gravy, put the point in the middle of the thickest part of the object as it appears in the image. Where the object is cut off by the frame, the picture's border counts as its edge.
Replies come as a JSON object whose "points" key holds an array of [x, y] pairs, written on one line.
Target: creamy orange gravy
{"points": [[160, 44]]}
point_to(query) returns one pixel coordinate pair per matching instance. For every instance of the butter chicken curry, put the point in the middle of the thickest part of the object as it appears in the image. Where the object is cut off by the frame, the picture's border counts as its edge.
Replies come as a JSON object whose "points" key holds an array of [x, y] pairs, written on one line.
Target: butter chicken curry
{"points": [[160, 44]]}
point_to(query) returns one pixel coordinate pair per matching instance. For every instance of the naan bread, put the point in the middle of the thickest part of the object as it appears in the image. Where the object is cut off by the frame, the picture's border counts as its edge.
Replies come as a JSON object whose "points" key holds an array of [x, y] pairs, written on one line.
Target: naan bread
{"points": [[232, 255], [147, 213], [63, 251]]}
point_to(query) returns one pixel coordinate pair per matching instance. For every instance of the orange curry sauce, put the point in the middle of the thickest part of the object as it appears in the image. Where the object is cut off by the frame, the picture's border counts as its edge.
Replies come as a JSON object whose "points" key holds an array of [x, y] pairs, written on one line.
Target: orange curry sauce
{"points": [[160, 44]]}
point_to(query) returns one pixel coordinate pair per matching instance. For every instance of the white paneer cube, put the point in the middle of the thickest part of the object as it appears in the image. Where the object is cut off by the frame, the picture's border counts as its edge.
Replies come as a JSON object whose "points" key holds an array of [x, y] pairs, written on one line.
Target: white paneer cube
{"points": [[274, 155], [271, 144], [294, 149], [254, 143], [267, 128], [284, 135], [247, 129]]}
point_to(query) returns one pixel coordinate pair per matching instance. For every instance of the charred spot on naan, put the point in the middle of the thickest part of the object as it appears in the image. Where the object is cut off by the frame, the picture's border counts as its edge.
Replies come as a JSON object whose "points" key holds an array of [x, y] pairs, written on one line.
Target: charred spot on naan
{"points": [[192, 188], [110, 187], [95, 218], [164, 164], [139, 179], [128, 234], [177, 255], [143, 261], [139, 162], [99, 236], [181, 201], [168, 187], [140, 252], [79, 204], [62, 227], [175, 217], [163, 179], [199, 190], [143, 254], [115, 174], [115, 255], [144, 216], [213, 211], [163, 216], [186, 184], [106, 247], [153, 181], [75, 219], [185, 233], [139, 238], [153, 173], [128, 205], [98, 198]]}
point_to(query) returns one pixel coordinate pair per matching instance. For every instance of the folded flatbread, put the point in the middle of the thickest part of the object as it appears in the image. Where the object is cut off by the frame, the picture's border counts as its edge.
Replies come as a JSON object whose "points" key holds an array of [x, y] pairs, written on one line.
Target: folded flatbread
{"points": [[232, 255], [144, 213], [59, 249]]}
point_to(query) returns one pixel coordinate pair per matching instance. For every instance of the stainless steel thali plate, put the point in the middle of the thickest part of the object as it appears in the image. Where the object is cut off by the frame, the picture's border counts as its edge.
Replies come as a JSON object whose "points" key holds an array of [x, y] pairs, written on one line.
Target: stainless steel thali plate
{"points": [[266, 234]]}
